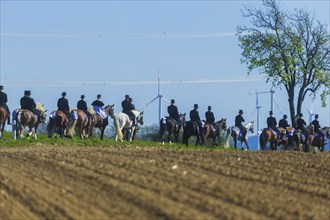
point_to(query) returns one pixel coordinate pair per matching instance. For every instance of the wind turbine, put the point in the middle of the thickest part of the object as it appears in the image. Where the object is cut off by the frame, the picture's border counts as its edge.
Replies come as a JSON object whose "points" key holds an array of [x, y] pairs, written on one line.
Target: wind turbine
{"points": [[258, 107], [310, 113], [160, 99]]}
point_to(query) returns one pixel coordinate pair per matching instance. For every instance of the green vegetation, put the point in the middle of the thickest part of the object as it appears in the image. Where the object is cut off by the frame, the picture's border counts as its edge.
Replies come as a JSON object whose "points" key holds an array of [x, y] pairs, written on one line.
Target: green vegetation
{"points": [[44, 141]]}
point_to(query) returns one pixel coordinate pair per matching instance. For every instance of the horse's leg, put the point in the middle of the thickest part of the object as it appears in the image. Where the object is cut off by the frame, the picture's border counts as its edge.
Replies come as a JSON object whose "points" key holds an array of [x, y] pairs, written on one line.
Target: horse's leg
{"points": [[169, 137], [102, 133]]}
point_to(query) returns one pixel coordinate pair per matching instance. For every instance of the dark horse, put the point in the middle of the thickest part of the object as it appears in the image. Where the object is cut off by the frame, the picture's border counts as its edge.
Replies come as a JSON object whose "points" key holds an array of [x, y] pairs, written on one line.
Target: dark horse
{"points": [[320, 140], [58, 121], [191, 129], [301, 141], [98, 122], [210, 132], [172, 127], [268, 135], [3, 118]]}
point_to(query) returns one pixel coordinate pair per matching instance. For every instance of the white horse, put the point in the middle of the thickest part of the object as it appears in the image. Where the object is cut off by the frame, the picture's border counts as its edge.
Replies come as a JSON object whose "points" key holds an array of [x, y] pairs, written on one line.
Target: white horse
{"points": [[123, 122], [235, 132]]}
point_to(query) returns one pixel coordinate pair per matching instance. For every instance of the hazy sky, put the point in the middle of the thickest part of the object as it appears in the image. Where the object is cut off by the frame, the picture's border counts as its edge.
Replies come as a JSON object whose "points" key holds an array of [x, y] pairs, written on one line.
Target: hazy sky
{"points": [[88, 47]]}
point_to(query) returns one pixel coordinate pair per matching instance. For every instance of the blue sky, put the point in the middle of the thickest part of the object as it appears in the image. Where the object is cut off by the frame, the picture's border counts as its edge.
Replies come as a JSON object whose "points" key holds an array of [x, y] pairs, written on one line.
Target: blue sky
{"points": [[87, 47]]}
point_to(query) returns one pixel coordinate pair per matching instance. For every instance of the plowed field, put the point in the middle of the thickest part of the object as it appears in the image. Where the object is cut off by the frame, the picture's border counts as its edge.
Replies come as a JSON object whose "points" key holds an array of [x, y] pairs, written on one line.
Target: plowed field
{"points": [[155, 183]]}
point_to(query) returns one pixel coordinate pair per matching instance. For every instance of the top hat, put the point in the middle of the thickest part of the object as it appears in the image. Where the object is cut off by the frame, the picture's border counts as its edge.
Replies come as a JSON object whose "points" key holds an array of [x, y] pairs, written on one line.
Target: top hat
{"points": [[300, 114], [270, 112], [209, 107], [126, 96], [98, 96], [27, 92], [285, 116], [172, 101], [1, 87], [63, 93], [240, 111], [316, 116], [195, 105], [82, 96]]}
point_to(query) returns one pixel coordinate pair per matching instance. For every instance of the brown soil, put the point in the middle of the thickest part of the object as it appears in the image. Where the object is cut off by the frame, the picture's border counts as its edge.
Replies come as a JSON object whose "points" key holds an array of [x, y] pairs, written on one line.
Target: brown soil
{"points": [[153, 183]]}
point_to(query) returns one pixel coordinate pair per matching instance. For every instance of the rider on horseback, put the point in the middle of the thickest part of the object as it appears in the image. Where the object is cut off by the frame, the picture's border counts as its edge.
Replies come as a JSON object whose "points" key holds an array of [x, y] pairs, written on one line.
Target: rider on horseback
{"points": [[97, 105], [271, 123], [173, 111], [301, 125], [211, 119], [28, 103], [317, 127], [128, 106], [3, 102], [63, 105], [82, 105], [283, 123], [194, 117], [238, 123]]}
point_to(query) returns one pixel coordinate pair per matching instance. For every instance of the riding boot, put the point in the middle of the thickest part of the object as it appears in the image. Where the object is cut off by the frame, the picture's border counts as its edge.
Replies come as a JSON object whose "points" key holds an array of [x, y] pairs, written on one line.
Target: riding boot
{"points": [[8, 122]]}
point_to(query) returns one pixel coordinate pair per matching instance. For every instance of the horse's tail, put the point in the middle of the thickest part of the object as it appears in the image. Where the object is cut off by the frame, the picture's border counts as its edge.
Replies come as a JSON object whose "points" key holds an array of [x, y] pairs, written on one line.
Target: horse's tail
{"points": [[51, 127], [162, 126], [262, 141], [228, 137], [119, 134], [72, 124]]}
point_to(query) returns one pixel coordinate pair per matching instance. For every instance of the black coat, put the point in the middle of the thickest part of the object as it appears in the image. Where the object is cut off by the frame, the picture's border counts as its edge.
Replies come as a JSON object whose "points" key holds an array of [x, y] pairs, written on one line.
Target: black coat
{"points": [[316, 125], [194, 116], [63, 105], [82, 105], [173, 112], [127, 106], [98, 103], [271, 122], [209, 117], [283, 123], [27, 103], [239, 121], [301, 123], [3, 98]]}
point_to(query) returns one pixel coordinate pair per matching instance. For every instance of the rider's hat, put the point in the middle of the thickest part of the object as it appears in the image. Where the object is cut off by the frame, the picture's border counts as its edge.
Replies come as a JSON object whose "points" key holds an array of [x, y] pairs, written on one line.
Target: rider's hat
{"points": [[1, 87], [209, 107], [270, 112], [63, 93], [300, 114], [172, 101], [126, 96], [285, 116], [82, 96], [98, 96], [130, 99], [195, 105], [316, 116], [240, 111], [27, 92]]}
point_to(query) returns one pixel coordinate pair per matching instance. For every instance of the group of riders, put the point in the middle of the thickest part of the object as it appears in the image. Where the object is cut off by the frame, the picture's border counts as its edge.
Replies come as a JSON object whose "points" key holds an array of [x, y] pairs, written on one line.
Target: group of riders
{"points": [[27, 102]]}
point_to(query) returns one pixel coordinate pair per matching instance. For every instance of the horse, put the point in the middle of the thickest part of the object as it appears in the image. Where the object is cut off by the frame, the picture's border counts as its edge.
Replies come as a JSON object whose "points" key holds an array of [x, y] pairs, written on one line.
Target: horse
{"points": [[320, 140], [172, 127], [3, 118], [58, 121], [123, 122], [301, 141], [236, 134], [210, 132], [191, 129], [269, 135], [98, 122], [25, 118], [79, 119]]}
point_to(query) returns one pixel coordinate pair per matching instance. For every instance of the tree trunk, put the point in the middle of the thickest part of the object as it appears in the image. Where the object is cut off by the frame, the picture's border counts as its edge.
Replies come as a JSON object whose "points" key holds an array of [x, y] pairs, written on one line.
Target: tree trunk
{"points": [[292, 109]]}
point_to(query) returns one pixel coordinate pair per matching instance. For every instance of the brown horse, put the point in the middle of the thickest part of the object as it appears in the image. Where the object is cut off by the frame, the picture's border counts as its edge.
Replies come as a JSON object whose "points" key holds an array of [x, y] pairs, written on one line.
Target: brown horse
{"points": [[98, 122], [172, 127], [210, 132], [58, 122], [3, 118], [191, 129], [320, 140], [268, 135], [78, 119], [25, 118]]}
